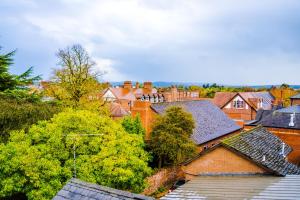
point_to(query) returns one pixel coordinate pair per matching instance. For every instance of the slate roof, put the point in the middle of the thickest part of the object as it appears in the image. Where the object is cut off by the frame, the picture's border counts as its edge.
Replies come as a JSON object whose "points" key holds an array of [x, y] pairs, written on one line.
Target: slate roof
{"points": [[279, 118], [238, 187], [257, 144], [297, 96], [76, 189], [211, 121]]}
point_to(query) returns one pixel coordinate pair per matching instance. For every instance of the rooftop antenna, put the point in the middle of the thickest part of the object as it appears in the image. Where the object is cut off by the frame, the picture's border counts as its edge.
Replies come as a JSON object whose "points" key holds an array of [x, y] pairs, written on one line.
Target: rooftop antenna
{"points": [[74, 149]]}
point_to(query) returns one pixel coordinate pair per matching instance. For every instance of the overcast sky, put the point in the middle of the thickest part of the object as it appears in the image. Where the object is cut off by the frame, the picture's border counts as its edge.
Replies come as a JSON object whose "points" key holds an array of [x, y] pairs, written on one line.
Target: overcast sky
{"points": [[223, 41]]}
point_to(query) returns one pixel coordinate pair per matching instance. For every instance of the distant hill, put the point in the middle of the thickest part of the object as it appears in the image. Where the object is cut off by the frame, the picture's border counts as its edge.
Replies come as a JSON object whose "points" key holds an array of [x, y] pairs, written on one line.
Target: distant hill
{"points": [[186, 84]]}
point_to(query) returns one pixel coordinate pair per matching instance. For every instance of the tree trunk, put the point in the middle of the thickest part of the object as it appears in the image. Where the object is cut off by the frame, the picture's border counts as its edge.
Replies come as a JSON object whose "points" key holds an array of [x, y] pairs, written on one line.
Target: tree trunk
{"points": [[159, 162]]}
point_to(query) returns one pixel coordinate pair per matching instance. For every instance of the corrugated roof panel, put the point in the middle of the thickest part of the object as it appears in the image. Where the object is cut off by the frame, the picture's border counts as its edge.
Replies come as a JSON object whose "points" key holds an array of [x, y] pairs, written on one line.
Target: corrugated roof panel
{"points": [[238, 187]]}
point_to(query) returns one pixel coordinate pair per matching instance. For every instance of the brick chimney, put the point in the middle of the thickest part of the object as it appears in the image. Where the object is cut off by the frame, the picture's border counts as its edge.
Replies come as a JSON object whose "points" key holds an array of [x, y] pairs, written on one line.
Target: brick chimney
{"points": [[137, 85], [127, 84], [174, 93], [148, 85]]}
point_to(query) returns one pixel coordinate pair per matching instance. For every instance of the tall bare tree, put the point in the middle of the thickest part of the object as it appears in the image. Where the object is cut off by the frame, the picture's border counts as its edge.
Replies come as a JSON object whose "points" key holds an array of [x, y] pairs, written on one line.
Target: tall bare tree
{"points": [[76, 79]]}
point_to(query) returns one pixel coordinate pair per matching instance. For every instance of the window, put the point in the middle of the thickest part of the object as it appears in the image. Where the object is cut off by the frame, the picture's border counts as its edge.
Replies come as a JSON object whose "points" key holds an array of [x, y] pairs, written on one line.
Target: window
{"points": [[238, 104]]}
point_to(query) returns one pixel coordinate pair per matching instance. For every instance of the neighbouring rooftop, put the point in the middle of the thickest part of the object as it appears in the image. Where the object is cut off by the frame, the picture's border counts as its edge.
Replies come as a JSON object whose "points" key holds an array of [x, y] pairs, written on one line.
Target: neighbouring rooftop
{"points": [[222, 98], [297, 96], [283, 118], [76, 189], [264, 148], [211, 121], [238, 187]]}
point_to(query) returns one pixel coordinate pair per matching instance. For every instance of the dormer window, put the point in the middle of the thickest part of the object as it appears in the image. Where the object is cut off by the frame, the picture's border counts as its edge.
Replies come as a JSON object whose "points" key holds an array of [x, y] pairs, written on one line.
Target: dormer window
{"points": [[238, 104]]}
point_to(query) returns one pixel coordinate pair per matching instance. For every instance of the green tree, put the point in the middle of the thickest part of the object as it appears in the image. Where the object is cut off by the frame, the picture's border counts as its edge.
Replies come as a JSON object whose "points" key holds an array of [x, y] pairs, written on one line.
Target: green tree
{"points": [[170, 137], [10, 81], [75, 82], [21, 114], [40, 162], [133, 125]]}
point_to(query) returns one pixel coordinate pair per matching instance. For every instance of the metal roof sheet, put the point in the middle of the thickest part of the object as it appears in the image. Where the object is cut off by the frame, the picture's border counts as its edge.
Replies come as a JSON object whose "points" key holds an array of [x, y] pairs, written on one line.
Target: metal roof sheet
{"points": [[239, 187]]}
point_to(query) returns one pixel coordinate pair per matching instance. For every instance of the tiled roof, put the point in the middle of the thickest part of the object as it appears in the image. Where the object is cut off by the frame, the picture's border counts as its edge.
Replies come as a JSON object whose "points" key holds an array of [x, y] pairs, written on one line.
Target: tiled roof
{"points": [[211, 121], [297, 96], [222, 98], [264, 148], [238, 187], [266, 96], [280, 118], [76, 189], [116, 110]]}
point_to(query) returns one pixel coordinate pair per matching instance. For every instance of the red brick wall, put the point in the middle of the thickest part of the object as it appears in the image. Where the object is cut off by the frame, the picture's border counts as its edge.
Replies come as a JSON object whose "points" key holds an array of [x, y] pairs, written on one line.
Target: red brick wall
{"points": [[163, 177], [295, 102], [147, 115], [240, 114], [220, 161]]}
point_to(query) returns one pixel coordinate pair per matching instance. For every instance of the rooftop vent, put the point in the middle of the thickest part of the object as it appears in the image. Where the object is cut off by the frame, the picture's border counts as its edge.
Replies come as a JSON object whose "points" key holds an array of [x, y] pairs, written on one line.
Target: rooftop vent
{"points": [[264, 158], [282, 149], [291, 124]]}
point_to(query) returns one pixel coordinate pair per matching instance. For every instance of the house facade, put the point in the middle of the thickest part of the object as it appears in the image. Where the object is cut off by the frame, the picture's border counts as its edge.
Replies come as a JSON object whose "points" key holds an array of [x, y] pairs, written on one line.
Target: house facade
{"points": [[243, 106]]}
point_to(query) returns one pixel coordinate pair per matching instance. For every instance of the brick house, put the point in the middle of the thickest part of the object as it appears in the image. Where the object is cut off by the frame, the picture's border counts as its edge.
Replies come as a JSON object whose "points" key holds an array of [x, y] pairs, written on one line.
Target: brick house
{"points": [[212, 124], [285, 123], [243, 106], [129, 93], [295, 100], [256, 151]]}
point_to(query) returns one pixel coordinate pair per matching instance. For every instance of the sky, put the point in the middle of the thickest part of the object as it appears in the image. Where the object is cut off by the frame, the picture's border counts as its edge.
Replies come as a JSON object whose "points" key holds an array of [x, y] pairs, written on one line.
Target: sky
{"points": [[234, 42]]}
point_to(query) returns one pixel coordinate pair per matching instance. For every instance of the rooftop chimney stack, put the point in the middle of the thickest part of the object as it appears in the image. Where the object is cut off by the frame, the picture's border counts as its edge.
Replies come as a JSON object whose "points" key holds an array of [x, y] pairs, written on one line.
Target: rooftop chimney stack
{"points": [[148, 85], [127, 85], [137, 85]]}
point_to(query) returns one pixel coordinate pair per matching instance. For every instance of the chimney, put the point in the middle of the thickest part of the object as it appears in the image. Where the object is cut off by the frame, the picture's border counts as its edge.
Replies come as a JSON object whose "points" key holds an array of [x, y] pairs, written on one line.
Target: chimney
{"points": [[291, 124], [148, 85], [127, 84], [174, 93], [264, 158], [137, 84]]}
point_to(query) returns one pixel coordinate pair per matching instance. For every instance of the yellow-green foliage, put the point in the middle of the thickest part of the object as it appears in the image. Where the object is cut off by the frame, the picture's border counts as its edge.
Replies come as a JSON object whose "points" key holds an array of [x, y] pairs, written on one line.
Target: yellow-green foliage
{"points": [[40, 162]]}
